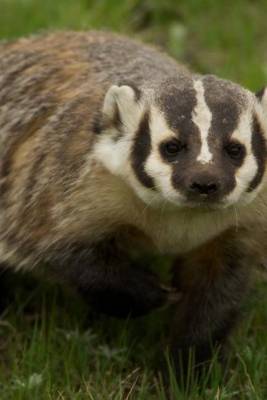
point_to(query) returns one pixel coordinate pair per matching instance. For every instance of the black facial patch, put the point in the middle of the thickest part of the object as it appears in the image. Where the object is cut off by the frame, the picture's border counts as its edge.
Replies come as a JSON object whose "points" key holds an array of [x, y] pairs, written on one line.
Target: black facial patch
{"points": [[177, 100], [141, 150], [236, 152], [171, 150], [224, 100], [260, 153]]}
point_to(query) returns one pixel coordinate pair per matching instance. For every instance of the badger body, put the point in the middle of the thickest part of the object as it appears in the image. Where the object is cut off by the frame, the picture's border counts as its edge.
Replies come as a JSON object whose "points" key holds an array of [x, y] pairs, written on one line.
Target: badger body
{"points": [[107, 146]]}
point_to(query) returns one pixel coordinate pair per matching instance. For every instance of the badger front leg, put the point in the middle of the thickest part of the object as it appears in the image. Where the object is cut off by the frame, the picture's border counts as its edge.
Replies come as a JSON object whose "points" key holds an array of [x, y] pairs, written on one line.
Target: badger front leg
{"points": [[214, 280], [110, 284]]}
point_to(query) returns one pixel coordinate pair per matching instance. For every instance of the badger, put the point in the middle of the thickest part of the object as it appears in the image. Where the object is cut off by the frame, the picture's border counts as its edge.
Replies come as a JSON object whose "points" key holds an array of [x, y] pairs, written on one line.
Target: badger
{"points": [[108, 148]]}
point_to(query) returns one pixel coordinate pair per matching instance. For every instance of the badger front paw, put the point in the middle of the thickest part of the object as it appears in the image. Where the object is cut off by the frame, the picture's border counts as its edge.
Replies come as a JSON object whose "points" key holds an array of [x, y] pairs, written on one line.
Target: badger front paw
{"points": [[130, 295]]}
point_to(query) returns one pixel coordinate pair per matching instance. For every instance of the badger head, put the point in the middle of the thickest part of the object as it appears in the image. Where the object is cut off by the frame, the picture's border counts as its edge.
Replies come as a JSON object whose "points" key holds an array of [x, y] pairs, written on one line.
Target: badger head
{"points": [[187, 141]]}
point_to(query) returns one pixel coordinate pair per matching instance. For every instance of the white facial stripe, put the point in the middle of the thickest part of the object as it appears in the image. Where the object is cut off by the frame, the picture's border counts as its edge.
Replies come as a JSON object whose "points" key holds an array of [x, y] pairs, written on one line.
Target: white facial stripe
{"points": [[243, 132], [202, 119], [158, 126]]}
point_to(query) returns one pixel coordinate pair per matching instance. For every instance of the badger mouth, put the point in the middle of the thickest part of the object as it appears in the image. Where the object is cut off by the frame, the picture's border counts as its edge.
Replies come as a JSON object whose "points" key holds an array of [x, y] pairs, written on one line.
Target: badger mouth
{"points": [[204, 204]]}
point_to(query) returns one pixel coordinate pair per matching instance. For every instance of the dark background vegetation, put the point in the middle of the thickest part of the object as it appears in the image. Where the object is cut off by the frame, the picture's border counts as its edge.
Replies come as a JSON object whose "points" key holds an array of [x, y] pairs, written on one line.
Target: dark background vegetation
{"points": [[48, 347]]}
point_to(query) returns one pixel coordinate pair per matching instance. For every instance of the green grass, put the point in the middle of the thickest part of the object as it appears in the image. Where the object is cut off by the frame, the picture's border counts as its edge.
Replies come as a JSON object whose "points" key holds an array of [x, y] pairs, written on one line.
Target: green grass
{"points": [[51, 349], [48, 347], [227, 38]]}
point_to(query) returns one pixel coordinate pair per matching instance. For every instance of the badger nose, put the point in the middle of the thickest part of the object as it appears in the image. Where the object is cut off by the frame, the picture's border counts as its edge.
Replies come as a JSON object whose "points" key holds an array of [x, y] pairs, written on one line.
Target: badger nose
{"points": [[204, 188], [204, 185]]}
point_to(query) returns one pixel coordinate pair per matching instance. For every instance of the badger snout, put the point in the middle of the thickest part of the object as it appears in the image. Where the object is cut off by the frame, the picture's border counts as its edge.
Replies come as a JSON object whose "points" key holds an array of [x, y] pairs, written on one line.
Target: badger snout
{"points": [[203, 186]]}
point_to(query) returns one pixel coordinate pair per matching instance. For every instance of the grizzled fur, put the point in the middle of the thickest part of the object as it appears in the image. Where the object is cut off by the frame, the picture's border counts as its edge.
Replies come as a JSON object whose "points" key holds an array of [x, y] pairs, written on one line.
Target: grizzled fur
{"points": [[85, 177]]}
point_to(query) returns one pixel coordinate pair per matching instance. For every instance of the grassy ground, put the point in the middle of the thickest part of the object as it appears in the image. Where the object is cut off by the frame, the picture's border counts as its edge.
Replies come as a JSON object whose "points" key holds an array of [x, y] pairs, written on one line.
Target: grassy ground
{"points": [[48, 348]]}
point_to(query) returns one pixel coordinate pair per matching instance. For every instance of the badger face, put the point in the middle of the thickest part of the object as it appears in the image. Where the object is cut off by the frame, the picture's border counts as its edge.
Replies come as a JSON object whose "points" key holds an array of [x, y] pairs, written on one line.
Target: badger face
{"points": [[189, 141]]}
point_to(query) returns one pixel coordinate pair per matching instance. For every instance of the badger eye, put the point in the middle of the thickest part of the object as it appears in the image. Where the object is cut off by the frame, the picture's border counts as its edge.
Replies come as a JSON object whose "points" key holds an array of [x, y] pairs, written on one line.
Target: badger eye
{"points": [[172, 147], [235, 150]]}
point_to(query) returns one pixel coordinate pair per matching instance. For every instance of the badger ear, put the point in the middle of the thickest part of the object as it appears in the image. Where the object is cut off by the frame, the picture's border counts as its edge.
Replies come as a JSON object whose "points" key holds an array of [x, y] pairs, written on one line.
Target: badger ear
{"points": [[262, 97], [121, 106]]}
